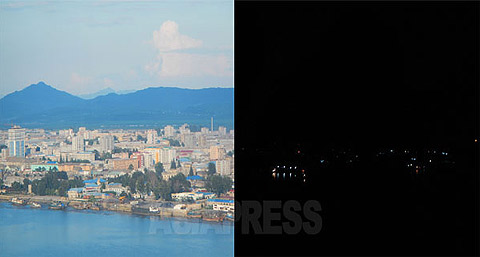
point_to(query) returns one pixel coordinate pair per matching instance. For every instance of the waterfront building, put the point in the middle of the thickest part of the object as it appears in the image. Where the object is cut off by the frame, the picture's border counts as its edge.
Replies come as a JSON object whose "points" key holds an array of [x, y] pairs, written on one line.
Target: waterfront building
{"points": [[74, 193], [91, 188], [115, 187], [16, 142], [222, 204], [182, 196]]}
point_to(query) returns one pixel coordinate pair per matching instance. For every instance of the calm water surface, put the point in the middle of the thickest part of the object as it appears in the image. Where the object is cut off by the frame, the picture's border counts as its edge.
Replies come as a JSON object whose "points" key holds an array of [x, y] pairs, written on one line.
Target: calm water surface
{"points": [[43, 232]]}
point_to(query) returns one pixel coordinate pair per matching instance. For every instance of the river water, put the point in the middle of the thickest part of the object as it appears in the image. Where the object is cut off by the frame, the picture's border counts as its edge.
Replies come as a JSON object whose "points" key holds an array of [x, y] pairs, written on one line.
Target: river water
{"points": [[42, 232]]}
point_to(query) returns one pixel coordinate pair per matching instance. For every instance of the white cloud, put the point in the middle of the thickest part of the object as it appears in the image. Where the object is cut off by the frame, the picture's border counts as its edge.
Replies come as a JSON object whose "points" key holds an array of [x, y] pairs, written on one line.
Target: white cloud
{"points": [[171, 63], [168, 38]]}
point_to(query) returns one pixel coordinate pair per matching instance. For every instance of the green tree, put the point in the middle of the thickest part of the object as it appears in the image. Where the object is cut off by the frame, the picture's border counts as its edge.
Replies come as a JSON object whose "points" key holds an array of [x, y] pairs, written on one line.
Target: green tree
{"points": [[16, 186], [173, 165], [218, 184], [130, 167], [190, 172], [163, 191], [26, 182], [179, 183], [211, 169], [159, 169]]}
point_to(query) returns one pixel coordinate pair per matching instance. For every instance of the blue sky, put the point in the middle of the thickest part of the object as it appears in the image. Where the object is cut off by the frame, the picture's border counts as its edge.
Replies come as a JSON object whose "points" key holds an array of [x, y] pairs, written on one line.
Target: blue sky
{"points": [[84, 46]]}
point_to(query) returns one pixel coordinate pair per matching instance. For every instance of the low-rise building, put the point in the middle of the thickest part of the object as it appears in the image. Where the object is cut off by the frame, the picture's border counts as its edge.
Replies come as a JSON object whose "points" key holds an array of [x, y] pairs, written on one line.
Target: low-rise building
{"points": [[74, 193], [115, 187], [123, 164], [226, 205]]}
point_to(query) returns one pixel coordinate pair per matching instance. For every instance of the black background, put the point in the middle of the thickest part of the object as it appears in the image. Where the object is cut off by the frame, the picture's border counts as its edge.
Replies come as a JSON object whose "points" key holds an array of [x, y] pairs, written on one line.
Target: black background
{"points": [[360, 75]]}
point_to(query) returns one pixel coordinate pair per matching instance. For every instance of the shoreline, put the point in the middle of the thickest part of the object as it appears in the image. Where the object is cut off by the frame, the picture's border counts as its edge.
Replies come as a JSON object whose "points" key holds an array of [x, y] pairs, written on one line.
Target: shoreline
{"points": [[110, 207]]}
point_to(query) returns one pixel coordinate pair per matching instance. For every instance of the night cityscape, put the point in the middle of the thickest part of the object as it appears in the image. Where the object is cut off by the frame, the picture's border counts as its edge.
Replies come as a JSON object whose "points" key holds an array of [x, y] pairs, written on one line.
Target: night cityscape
{"points": [[370, 109]]}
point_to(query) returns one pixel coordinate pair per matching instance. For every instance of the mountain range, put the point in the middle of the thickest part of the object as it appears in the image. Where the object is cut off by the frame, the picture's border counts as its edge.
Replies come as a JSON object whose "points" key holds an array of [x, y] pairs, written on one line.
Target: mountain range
{"points": [[41, 105], [105, 91]]}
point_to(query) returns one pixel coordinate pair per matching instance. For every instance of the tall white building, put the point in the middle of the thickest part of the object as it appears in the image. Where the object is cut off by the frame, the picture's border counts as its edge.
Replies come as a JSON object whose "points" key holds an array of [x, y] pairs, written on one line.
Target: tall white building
{"points": [[217, 152], [151, 136], [224, 167], [16, 142], [106, 143], [169, 131], [167, 154], [189, 140], [149, 159], [184, 129], [78, 144], [204, 130], [222, 130]]}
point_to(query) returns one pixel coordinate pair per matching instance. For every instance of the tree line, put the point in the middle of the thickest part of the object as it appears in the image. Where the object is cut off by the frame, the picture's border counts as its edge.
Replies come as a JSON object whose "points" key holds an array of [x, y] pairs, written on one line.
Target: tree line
{"points": [[53, 183], [152, 182]]}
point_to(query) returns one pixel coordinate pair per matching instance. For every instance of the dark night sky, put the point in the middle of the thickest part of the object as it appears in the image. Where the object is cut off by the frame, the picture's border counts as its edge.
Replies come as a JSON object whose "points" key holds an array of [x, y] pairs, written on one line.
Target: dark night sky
{"points": [[394, 72], [361, 75]]}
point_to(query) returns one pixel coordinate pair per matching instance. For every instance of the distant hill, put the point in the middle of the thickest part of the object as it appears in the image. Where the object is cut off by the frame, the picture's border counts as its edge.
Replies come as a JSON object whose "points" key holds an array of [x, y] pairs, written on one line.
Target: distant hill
{"points": [[104, 91], [41, 105]]}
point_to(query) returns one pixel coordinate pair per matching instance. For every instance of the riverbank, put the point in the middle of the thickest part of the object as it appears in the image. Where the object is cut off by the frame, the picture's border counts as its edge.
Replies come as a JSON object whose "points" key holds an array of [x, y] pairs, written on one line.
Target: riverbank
{"points": [[142, 208]]}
